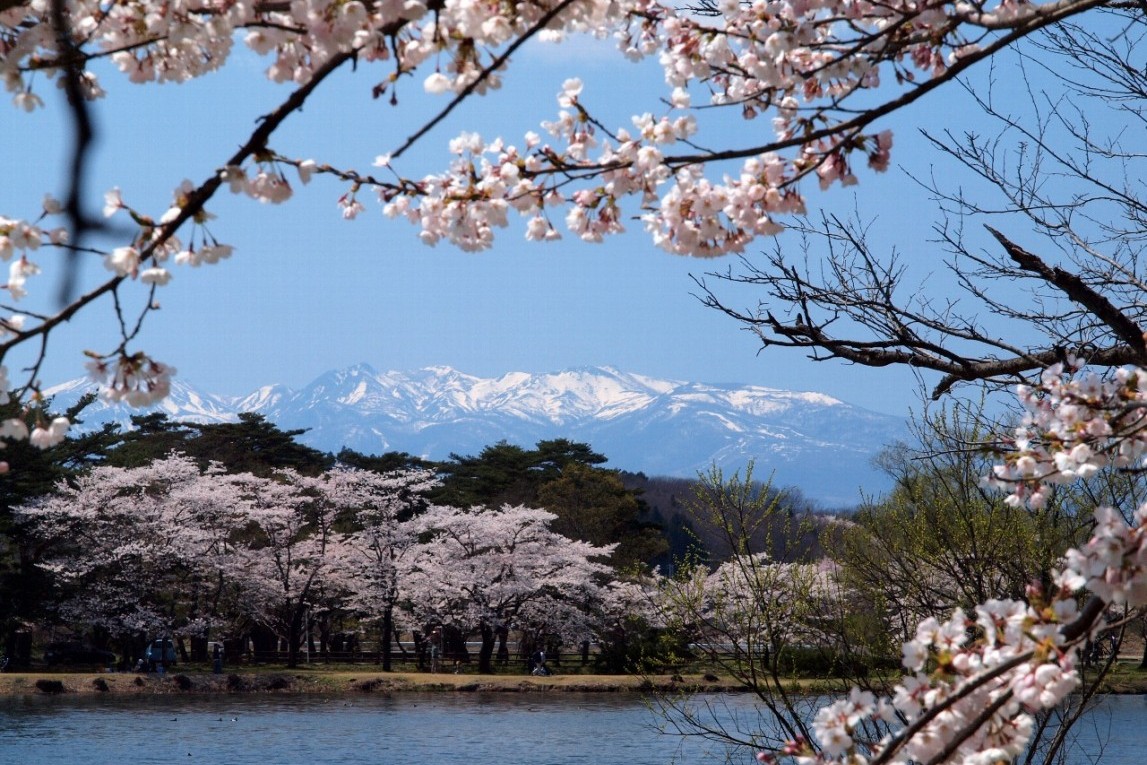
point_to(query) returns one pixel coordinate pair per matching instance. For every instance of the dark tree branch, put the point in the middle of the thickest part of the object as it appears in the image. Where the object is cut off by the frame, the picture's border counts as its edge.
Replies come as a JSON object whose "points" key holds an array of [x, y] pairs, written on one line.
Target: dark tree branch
{"points": [[1075, 288], [83, 135]]}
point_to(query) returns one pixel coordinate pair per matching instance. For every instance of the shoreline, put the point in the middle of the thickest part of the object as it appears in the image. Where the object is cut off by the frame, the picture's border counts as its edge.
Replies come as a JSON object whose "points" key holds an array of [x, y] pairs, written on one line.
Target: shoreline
{"points": [[307, 681], [195, 682]]}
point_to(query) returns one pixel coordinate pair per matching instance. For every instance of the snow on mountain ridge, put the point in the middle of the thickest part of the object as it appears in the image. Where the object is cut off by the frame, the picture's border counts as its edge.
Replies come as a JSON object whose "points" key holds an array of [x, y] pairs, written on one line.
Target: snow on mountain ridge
{"points": [[661, 427]]}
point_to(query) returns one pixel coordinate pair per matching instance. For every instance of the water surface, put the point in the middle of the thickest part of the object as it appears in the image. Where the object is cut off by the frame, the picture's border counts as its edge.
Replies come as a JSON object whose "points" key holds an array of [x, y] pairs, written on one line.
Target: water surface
{"points": [[484, 729]]}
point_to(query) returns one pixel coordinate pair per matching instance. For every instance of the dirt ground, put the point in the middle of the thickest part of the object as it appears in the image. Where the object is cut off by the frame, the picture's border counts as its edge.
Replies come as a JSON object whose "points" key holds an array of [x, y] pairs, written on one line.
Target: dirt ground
{"points": [[1124, 678], [310, 681]]}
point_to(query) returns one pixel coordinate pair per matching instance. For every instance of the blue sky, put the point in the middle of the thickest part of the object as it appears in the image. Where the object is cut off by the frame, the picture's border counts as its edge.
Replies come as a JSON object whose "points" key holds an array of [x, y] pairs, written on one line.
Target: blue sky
{"points": [[306, 291]]}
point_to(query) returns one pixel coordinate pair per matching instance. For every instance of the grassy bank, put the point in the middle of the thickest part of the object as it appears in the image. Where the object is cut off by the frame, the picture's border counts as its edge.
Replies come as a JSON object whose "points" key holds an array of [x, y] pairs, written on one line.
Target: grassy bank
{"points": [[1125, 677], [334, 682]]}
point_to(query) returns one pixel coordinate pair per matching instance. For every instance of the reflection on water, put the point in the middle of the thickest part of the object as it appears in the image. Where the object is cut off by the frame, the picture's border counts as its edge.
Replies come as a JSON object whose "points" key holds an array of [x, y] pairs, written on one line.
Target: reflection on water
{"points": [[485, 729]]}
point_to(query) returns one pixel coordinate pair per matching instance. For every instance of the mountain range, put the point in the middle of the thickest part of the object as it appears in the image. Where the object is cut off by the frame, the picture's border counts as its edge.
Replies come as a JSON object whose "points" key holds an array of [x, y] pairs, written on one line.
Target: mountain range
{"points": [[814, 442]]}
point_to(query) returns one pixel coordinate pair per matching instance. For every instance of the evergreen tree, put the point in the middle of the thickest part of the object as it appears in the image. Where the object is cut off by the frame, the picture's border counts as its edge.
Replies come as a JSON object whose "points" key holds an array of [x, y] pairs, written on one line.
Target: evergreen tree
{"points": [[24, 588], [594, 506], [255, 445]]}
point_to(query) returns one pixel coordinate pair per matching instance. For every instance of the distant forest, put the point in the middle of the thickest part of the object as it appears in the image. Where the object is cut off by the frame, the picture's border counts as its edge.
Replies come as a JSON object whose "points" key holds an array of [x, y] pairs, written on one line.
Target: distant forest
{"points": [[652, 518]]}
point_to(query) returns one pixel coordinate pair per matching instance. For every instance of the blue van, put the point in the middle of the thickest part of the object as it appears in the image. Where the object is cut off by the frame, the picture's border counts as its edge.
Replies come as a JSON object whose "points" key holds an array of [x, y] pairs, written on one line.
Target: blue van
{"points": [[159, 654]]}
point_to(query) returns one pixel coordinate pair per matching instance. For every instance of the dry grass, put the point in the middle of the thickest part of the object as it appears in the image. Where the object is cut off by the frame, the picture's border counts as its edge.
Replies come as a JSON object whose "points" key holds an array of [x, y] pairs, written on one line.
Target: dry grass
{"points": [[320, 681], [1125, 677]]}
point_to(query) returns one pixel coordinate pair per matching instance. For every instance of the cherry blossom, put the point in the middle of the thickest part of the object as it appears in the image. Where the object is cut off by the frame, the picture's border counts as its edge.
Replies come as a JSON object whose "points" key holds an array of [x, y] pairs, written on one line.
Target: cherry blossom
{"points": [[134, 379], [44, 436], [147, 549], [1075, 423], [974, 682], [485, 569], [812, 88]]}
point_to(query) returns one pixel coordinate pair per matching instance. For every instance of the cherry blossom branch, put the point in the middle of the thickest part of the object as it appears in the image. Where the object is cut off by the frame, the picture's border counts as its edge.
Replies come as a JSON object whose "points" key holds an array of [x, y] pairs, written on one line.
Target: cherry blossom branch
{"points": [[971, 728], [498, 62], [195, 200], [1076, 289], [1043, 16]]}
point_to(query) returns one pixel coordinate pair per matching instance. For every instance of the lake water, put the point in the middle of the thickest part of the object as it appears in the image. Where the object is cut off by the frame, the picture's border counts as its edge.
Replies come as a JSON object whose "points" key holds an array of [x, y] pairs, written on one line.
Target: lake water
{"points": [[407, 729]]}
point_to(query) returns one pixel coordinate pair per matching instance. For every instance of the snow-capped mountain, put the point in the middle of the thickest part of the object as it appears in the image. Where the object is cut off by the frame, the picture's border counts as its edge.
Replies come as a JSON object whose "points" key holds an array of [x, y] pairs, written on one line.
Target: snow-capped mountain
{"points": [[660, 427]]}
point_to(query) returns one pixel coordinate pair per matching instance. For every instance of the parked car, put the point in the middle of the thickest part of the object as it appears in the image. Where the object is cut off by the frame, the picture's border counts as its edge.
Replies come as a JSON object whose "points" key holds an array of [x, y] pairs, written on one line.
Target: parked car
{"points": [[73, 652], [159, 653]]}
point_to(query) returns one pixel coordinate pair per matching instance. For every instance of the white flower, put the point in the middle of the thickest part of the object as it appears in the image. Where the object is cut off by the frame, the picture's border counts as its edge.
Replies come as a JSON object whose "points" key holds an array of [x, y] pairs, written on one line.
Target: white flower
{"points": [[269, 187], [13, 429], [113, 202], [27, 101], [155, 275], [306, 170], [42, 437], [18, 273], [437, 84], [122, 260], [236, 178], [571, 89]]}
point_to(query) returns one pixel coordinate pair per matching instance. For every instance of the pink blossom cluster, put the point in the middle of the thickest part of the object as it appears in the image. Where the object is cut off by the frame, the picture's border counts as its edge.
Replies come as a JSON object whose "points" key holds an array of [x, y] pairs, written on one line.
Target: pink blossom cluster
{"points": [[135, 379], [795, 61], [1113, 563], [1074, 424], [974, 682], [18, 239]]}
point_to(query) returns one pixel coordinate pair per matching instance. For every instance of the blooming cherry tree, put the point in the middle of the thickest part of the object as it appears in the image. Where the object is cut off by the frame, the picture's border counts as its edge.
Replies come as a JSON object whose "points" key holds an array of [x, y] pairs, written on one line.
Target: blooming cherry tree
{"points": [[484, 570], [293, 564], [142, 551], [382, 506]]}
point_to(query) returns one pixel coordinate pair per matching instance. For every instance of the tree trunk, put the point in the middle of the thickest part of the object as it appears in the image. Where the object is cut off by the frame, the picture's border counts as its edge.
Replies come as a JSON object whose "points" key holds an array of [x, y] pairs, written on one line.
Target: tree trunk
{"points": [[486, 652], [420, 649], [294, 638], [398, 642], [503, 651], [387, 628], [265, 642], [454, 644]]}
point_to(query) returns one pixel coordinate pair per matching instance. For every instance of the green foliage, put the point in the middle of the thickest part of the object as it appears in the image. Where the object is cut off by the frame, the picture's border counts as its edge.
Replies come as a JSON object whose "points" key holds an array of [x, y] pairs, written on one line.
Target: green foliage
{"points": [[382, 463], [594, 506], [151, 436], [251, 445], [592, 503], [740, 516], [940, 540], [818, 662], [501, 474], [634, 646], [254, 445]]}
